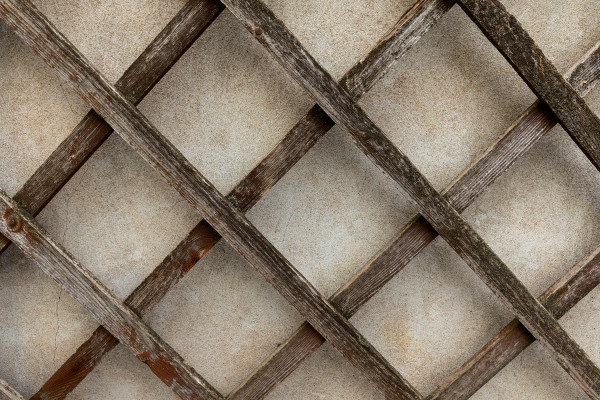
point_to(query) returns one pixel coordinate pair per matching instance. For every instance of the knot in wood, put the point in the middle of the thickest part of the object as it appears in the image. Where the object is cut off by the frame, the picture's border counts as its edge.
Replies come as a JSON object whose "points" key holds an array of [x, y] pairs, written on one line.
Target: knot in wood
{"points": [[14, 223]]}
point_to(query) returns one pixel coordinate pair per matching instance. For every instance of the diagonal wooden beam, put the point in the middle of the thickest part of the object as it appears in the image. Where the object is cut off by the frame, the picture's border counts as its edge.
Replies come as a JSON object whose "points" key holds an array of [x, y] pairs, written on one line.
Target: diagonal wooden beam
{"points": [[273, 34], [70, 374], [514, 338], [8, 393], [54, 48], [143, 74], [358, 80], [508, 36], [105, 307], [409, 29], [535, 122]]}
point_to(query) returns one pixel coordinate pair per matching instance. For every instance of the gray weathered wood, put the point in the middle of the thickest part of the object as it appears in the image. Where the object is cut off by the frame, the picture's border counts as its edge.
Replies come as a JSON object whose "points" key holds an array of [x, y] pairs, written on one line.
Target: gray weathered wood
{"points": [[53, 47], [8, 393], [143, 74], [357, 81], [508, 36], [106, 308], [514, 338], [413, 25], [143, 298], [394, 44], [535, 122], [273, 34]]}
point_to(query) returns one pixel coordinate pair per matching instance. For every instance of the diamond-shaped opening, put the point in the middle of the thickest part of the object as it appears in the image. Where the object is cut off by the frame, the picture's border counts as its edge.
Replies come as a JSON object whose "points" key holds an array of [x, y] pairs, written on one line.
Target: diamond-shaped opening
{"points": [[122, 376], [339, 33], [532, 375], [325, 375], [332, 212], [40, 324], [224, 318], [541, 216], [431, 317], [118, 217], [37, 111], [564, 30], [448, 98], [111, 34], [226, 104]]}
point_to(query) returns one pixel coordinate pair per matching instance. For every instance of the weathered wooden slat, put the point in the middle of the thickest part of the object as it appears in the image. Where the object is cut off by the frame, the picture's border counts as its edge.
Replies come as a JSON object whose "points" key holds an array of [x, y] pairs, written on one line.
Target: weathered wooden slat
{"points": [[106, 308], [53, 47], [357, 81], [536, 121], [394, 44], [201, 239], [8, 393], [508, 36], [514, 338], [273, 34], [143, 74]]}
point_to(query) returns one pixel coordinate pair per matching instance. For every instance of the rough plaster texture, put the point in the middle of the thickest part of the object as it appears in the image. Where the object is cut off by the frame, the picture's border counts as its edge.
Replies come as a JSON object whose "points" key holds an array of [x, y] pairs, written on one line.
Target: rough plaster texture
{"points": [[225, 105]]}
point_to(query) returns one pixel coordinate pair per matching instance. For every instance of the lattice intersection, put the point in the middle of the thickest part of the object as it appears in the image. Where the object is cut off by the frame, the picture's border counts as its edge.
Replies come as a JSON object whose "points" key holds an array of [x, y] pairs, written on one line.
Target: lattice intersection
{"points": [[560, 101]]}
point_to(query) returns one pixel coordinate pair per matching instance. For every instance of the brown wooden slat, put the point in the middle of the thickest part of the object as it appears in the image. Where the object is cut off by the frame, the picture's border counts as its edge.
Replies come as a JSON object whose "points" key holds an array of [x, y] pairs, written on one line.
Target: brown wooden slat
{"points": [[536, 121], [53, 47], [144, 297], [508, 36], [8, 393], [273, 34], [514, 338], [357, 81], [120, 320], [413, 25], [143, 74]]}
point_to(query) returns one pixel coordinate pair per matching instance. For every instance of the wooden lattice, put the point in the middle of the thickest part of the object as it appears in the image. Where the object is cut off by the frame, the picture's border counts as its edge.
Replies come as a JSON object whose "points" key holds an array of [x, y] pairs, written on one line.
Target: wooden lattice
{"points": [[560, 101]]}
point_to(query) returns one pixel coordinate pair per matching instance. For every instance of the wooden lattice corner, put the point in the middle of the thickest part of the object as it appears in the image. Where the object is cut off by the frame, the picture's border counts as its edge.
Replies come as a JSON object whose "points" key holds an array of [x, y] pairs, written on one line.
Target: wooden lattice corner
{"points": [[560, 101]]}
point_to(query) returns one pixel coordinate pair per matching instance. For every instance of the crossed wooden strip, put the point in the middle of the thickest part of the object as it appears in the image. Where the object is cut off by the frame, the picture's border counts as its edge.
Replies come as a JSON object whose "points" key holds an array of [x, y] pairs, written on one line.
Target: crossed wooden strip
{"points": [[54, 48], [119, 319], [143, 74], [295, 144], [273, 34], [153, 63], [535, 122]]}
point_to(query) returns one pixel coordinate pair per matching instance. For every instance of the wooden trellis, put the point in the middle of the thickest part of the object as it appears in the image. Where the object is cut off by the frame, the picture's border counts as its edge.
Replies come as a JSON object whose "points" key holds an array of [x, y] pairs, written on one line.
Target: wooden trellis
{"points": [[560, 101]]}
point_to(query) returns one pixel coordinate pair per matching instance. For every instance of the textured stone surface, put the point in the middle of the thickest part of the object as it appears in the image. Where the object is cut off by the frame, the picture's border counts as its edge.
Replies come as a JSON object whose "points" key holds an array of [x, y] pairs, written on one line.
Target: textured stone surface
{"points": [[225, 105]]}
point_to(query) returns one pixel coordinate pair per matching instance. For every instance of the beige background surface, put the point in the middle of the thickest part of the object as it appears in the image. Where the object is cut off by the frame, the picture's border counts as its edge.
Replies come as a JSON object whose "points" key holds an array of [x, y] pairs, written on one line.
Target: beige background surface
{"points": [[225, 105]]}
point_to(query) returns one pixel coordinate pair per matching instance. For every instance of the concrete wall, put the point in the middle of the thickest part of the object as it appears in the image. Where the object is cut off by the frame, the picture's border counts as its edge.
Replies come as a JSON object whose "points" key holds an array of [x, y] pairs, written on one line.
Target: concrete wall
{"points": [[225, 105]]}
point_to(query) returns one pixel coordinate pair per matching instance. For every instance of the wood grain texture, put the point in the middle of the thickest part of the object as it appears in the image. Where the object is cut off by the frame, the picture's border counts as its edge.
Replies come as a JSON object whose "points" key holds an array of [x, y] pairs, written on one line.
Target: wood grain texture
{"points": [[514, 338], [70, 65], [106, 308], [8, 393], [359, 79], [201, 239], [273, 34], [535, 122], [508, 36], [136, 82]]}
